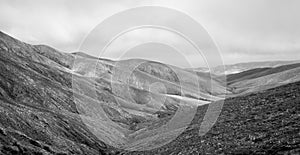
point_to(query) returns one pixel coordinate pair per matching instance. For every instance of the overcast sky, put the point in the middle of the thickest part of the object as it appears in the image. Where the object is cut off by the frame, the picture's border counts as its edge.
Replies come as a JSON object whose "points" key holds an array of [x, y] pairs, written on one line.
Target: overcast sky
{"points": [[244, 30]]}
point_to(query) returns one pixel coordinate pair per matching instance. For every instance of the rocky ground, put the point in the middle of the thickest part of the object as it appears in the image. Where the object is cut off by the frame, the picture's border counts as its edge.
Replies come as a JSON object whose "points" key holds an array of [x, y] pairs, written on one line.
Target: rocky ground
{"points": [[267, 122]]}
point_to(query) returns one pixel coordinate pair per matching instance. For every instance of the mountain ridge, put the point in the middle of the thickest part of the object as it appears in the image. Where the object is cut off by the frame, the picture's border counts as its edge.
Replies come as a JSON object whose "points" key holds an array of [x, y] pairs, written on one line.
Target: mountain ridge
{"points": [[243, 66]]}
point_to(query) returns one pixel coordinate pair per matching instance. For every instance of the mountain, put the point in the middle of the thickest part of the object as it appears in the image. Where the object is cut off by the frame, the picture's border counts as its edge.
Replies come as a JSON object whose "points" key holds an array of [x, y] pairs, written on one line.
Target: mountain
{"points": [[38, 114], [49, 91], [240, 67], [259, 72], [72, 103], [263, 78]]}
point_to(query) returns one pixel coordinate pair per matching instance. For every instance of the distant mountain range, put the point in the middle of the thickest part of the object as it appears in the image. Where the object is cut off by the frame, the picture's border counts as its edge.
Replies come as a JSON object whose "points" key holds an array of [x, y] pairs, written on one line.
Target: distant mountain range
{"points": [[73, 103], [240, 67]]}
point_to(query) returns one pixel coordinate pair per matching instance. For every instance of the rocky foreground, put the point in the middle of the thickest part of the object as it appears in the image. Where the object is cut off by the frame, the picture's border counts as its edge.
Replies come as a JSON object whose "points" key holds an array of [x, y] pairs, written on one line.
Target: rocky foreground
{"points": [[267, 122], [38, 114]]}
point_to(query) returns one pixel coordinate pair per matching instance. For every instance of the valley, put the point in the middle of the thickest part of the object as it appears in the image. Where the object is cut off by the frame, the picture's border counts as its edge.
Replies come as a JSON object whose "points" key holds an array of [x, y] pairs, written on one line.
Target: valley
{"points": [[72, 103]]}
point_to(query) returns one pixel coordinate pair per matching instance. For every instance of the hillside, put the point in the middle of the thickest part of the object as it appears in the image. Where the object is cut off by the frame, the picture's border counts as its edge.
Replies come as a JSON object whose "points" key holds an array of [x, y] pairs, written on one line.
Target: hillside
{"points": [[54, 100], [259, 72], [241, 67], [265, 82], [259, 123]]}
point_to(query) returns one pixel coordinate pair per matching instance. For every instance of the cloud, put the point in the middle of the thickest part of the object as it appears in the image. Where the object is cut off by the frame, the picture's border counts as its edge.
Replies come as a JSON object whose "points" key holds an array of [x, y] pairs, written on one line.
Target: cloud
{"points": [[62, 24], [244, 30]]}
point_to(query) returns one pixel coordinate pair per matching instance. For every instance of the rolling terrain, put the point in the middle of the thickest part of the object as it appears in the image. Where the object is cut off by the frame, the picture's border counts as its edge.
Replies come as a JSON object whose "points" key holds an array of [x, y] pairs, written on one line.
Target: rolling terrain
{"points": [[263, 78], [60, 103], [241, 67], [259, 72]]}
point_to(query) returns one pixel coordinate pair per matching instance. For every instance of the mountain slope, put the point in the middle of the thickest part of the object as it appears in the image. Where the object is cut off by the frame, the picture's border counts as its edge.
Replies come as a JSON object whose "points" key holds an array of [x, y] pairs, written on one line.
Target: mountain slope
{"points": [[38, 114], [259, 123], [258, 72], [54, 97], [240, 67], [266, 82]]}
